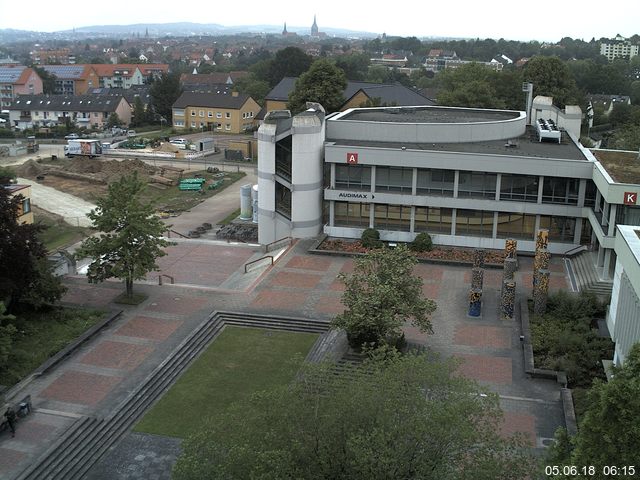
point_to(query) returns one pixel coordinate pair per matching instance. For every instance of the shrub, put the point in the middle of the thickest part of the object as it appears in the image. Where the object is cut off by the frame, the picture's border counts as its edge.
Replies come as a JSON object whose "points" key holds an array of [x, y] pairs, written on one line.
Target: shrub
{"points": [[422, 243], [371, 238]]}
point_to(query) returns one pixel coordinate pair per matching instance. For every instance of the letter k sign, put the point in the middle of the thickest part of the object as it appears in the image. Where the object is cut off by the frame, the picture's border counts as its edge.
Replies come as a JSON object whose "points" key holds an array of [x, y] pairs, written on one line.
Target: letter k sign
{"points": [[630, 198]]}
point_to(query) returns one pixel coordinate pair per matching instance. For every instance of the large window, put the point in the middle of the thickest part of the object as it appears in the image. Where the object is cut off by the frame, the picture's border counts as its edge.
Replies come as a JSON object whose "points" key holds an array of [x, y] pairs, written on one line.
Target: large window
{"points": [[435, 182], [394, 179], [433, 220], [477, 185], [392, 217], [477, 223], [561, 229], [347, 214], [353, 177], [283, 158], [519, 187], [560, 190], [516, 225], [283, 200], [590, 194]]}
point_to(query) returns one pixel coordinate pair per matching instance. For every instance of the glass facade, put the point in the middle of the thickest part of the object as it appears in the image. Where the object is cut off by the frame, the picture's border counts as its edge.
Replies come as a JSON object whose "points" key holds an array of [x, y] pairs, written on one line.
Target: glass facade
{"points": [[392, 217], [348, 214], [590, 194], [523, 188], [477, 185], [561, 229], [353, 177], [433, 220], [476, 223], [560, 190], [283, 158], [435, 182], [394, 179], [516, 225], [283, 200]]}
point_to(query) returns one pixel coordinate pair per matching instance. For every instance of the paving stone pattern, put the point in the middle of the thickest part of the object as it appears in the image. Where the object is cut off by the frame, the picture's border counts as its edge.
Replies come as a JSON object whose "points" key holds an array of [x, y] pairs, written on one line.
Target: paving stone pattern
{"points": [[102, 372]]}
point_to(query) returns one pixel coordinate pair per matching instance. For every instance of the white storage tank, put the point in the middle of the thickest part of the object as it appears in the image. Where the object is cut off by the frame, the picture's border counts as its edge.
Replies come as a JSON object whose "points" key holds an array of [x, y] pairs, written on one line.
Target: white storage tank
{"points": [[254, 202], [245, 202]]}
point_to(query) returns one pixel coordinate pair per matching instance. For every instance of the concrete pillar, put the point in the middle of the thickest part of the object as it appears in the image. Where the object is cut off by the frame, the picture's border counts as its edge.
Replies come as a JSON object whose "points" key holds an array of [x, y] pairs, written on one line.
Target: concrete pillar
{"points": [[606, 264], [332, 213], [582, 192], [612, 220], [600, 260], [498, 183], [494, 231], [414, 182], [540, 188], [456, 183], [577, 234], [332, 175], [413, 220], [453, 219]]}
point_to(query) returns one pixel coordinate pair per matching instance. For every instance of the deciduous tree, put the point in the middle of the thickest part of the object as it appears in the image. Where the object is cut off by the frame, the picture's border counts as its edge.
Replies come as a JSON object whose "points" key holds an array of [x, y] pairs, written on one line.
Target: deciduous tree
{"points": [[381, 295], [323, 83], [395, 417], [164, 93], [130, 237]]}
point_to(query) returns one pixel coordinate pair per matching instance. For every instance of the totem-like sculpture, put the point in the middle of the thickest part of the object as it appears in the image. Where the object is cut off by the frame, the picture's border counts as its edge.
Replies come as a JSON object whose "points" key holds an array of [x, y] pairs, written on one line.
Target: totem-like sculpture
{"points": [[508, 299], [508, 289], [541, 293], [477, 279], [475, 302], [541, 272]]}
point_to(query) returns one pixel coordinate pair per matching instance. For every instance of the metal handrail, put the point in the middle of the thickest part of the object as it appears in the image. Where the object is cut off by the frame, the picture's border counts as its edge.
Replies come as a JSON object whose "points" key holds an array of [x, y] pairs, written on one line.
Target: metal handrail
{"points": [[165, 275], [570, 252], [268, 245], [256, 261], [177, 233]]}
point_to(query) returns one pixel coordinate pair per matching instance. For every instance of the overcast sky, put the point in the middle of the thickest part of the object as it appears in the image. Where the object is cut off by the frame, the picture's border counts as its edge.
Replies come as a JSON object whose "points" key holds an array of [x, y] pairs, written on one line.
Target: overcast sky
{"points": [[515, 20]]}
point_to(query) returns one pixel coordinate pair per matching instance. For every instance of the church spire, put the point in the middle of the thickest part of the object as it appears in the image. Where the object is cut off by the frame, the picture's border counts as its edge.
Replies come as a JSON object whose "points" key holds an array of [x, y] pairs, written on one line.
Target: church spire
{"points": [[314, 27]]}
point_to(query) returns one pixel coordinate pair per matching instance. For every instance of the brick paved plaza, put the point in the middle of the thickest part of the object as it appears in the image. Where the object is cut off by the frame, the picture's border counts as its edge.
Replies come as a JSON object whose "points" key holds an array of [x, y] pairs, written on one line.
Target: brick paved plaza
{"points": [[94, 379]]}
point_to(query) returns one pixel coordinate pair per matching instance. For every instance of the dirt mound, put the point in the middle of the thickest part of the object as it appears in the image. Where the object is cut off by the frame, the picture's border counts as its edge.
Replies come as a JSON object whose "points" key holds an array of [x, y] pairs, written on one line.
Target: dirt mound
{"points": [[114, 169], [29, 169]]}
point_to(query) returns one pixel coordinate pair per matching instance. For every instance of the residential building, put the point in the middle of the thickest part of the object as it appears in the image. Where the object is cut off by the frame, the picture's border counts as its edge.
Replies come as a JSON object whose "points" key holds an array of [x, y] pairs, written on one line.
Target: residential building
{"points": [[88, 111], [61, 56], [623, 318], [73, 79], [356, 94], [469, 177], [390, 60], [619, 47], [608, 102], [18, 80], [222, 112], [25, 215], [128, 75]]}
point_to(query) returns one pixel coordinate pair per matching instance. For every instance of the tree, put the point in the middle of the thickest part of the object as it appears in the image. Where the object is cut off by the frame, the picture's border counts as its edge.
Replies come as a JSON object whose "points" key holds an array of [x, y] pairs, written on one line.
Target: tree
{"points": [[381, 295], [626, 138], [131, 236], [48, 80], [7, 331], [395, 417], [288, 62], [164, 93], [323, 83], [609, 431], [551, 77], [355, 66], [139, 114], [113, 120], [25, 276]]}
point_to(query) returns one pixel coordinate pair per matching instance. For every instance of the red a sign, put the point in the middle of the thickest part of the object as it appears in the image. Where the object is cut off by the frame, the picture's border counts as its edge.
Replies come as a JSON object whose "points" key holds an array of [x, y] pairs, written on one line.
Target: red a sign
{"points": [[630, 198], [352, 158]]}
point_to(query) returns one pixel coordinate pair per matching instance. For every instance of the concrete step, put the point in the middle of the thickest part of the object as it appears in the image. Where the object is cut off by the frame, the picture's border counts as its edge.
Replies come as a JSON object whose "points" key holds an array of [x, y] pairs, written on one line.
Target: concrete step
{"points": [[587, 278]]}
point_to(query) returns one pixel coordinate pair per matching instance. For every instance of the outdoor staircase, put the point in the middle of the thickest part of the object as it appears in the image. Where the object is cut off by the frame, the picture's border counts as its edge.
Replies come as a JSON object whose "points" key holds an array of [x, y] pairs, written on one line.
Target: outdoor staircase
{"points": [[89, 438], [586, 276]]}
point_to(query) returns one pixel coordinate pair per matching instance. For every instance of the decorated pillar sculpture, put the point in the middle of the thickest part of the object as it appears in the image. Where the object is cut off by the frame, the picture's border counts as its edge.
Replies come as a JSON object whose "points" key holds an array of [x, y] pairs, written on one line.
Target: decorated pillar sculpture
{"points": [[540, 262], [475, 302], [508, 299], [478, 258], [510, 247], [477, 277], [542, 239]]}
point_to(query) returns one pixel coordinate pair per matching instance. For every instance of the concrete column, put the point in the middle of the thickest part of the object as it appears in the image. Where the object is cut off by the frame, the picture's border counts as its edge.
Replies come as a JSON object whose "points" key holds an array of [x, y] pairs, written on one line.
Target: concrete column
{"points": [[413, 220], [582, 192], [333, 177], [600, 260], [578, 231], [373, 179], [372, 214], [494, 231], [540, 187], [332, 213], [498, 183], [605, 215], [596, 208], [612, 220], [456, 183], [454, 212], [414, 182], [606, 263]]}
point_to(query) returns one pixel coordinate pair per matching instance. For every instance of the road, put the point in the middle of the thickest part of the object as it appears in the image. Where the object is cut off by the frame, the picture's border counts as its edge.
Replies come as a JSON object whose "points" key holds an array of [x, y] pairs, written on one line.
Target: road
{"points": [[73, 209]]}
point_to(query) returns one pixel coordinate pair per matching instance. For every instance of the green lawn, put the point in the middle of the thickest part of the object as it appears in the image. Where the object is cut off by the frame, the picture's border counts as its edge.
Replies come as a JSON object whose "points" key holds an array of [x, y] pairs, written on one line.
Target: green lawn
{"points": [[239, 362], [41, 335], [59, 234]]}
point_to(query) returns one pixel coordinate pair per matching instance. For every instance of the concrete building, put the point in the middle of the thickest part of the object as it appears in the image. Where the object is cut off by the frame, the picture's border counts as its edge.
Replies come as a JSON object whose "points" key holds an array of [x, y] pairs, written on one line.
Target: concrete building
{"points": [[88, 111], [18, 80], [224, 112], [25, 214], [619, 47], [623, 320], [73, 79], [468, 177]]}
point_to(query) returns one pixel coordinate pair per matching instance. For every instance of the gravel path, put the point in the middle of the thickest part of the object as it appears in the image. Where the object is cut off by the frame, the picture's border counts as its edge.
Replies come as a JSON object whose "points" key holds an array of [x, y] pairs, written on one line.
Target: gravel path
{"points": [[73, 209]]}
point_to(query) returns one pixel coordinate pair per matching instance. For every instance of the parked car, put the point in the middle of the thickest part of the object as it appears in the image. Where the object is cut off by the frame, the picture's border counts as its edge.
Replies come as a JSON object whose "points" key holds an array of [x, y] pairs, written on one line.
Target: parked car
{"points": [[72, 136], [131, 133], [179, 141]]}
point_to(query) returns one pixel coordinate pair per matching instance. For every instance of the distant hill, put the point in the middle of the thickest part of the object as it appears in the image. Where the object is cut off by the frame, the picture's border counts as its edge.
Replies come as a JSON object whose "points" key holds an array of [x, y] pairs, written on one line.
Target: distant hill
{"points": [[178, 29]]}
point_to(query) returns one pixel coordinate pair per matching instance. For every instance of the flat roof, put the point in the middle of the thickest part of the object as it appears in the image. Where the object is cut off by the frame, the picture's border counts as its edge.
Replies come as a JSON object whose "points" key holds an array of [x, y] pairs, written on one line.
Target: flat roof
{"points": [[622, 167], [526, 145], [428, 115]]}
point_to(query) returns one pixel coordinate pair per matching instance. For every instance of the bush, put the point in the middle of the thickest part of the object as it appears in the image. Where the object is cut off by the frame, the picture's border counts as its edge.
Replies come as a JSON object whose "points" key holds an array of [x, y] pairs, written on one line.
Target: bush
{"points": [[6, 133], [422, 243], [371, 238]]}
